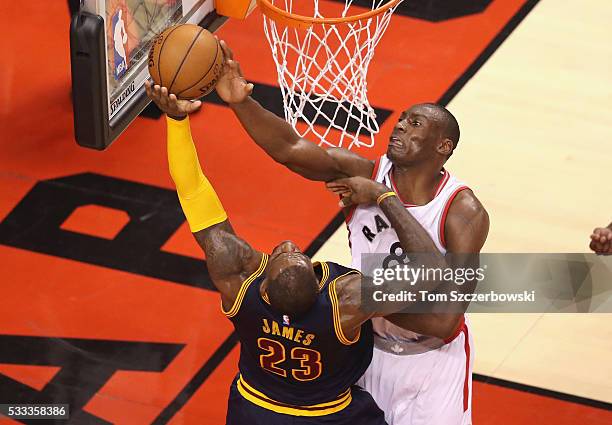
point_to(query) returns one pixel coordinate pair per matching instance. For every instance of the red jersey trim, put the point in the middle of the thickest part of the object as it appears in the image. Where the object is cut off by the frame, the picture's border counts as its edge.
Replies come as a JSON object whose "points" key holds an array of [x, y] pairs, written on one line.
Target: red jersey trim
{"points": [[457, 331], [376, 167], [351, 210], [445, 178], [466, 382], [443, 182], [445, 213], [462, 328], [349, 214]]}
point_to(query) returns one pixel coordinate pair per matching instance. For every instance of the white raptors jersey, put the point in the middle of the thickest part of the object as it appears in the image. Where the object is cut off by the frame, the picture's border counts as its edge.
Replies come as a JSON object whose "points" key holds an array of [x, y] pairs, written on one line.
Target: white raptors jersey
{"points": [[370, 231]]}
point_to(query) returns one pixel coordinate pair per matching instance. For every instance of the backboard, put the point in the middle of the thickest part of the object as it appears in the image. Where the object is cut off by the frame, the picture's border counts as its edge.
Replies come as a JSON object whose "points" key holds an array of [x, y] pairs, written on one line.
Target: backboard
{"points": [[109, 44]]}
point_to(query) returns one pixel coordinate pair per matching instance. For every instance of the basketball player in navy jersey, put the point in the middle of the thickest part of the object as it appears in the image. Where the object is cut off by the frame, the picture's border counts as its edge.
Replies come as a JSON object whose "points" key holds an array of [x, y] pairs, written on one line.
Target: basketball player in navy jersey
{"points": [[413, 384], [601, 240], [305, 338]]}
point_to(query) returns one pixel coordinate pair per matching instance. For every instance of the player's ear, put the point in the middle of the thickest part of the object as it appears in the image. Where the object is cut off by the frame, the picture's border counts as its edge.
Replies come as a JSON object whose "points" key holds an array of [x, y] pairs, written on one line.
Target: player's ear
{"points": [[445, 147]]}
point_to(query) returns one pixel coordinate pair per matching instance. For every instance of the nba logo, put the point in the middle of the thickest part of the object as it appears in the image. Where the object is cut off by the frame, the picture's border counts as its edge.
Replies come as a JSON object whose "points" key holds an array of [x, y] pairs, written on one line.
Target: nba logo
{"points": [[286, 320], [120, 39]]}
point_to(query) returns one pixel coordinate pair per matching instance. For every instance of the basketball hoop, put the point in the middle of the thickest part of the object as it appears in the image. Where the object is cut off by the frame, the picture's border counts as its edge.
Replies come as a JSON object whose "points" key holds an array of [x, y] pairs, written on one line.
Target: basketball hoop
{"points": [[322, 52]]}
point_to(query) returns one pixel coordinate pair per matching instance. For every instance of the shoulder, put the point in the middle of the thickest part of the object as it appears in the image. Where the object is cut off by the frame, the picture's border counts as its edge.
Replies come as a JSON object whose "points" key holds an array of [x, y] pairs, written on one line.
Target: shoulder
{"points": [[350, 163], [348, 290], [466, 204], [227, 254], [344, 295], [467, 223]]}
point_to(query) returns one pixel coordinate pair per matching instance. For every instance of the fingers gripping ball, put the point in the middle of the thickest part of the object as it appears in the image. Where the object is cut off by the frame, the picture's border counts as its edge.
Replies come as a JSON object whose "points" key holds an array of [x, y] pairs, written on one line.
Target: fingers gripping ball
{"points": [[187, 59]]}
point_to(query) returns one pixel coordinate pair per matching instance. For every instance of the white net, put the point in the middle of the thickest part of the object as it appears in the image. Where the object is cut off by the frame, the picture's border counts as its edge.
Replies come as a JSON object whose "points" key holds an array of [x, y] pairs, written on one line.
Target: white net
{"points": [[322, 70]]}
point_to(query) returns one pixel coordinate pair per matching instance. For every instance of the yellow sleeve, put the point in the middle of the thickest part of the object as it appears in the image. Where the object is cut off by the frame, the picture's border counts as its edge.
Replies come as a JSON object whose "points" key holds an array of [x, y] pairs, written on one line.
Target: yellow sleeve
{"points": [[198, 199]]}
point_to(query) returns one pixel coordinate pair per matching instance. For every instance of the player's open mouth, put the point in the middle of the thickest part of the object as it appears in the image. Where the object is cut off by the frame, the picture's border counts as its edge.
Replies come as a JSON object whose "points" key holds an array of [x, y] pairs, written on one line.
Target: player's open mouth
{"points": [[395, 142]]}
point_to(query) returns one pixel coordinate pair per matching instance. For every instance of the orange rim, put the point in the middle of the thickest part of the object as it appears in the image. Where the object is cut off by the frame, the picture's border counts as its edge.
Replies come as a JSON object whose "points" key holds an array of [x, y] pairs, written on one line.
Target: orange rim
{"points": [[291, 19]]}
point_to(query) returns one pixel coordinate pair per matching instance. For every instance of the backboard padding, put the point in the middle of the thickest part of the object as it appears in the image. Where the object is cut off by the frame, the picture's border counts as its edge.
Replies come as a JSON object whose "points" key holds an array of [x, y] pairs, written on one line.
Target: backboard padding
{"points": [[110, 40]]}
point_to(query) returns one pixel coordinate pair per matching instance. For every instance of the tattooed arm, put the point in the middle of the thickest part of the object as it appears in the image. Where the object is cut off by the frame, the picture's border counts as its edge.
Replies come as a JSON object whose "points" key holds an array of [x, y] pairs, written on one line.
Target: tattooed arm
{"points": [[466, 230], [230, 259]]}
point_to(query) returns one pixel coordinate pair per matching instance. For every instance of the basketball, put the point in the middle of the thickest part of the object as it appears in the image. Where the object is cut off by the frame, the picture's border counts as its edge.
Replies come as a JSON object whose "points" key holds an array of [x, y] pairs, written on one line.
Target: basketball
{"points": [[187, 59]]}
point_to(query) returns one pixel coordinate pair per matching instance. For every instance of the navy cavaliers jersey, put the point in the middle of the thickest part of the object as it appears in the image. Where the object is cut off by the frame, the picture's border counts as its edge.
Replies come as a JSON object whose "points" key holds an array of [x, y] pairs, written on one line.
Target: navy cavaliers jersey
{"points": [[301, 367]]}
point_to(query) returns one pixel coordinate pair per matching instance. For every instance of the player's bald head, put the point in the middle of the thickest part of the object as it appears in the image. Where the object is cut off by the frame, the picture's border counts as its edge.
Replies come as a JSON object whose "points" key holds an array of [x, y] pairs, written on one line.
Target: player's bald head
{"points": [[424, 133], [446, 123], [291, 283], [293, 290]]}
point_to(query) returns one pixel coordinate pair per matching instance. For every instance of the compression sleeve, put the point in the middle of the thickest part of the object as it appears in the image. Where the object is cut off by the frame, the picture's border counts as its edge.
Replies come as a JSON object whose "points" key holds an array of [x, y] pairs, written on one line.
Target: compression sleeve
{"points": [[198, 199]]}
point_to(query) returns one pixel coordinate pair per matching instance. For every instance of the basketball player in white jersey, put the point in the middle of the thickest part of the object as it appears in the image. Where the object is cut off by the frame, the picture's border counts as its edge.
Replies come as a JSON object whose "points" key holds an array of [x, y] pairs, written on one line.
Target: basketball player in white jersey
{"points": [[413, 385]]}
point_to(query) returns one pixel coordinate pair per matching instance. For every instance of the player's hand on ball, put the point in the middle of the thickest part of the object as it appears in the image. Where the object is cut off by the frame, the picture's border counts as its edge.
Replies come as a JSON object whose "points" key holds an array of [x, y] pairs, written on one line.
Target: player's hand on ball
{"points": [[357, 190], [231, 86], [169, 103], [601, 240]]}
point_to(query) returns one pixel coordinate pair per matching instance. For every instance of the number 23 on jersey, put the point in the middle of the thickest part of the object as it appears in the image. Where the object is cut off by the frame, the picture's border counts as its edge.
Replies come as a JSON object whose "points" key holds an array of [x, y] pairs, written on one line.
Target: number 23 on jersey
{"points": [[275, 355]]}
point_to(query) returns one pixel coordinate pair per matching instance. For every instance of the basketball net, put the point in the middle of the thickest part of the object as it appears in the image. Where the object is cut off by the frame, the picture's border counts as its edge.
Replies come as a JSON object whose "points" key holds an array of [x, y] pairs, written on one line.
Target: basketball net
{"points": [[322, 59]]}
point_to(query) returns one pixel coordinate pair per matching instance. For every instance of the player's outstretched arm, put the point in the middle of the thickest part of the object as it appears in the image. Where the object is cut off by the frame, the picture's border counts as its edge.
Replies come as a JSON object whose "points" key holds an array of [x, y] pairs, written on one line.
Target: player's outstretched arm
{"points": [[353, 312], [280, 141], [230, 260], [601, 240]]}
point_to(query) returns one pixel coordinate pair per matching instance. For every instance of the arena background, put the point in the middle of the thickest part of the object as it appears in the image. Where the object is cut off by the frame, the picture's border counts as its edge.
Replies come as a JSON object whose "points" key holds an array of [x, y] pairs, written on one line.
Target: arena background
{"points": [[104, 301]]}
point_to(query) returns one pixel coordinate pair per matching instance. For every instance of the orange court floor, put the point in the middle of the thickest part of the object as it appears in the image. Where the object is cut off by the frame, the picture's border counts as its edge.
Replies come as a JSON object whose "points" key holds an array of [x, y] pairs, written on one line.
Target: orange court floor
{"points": [[105, 301]]}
